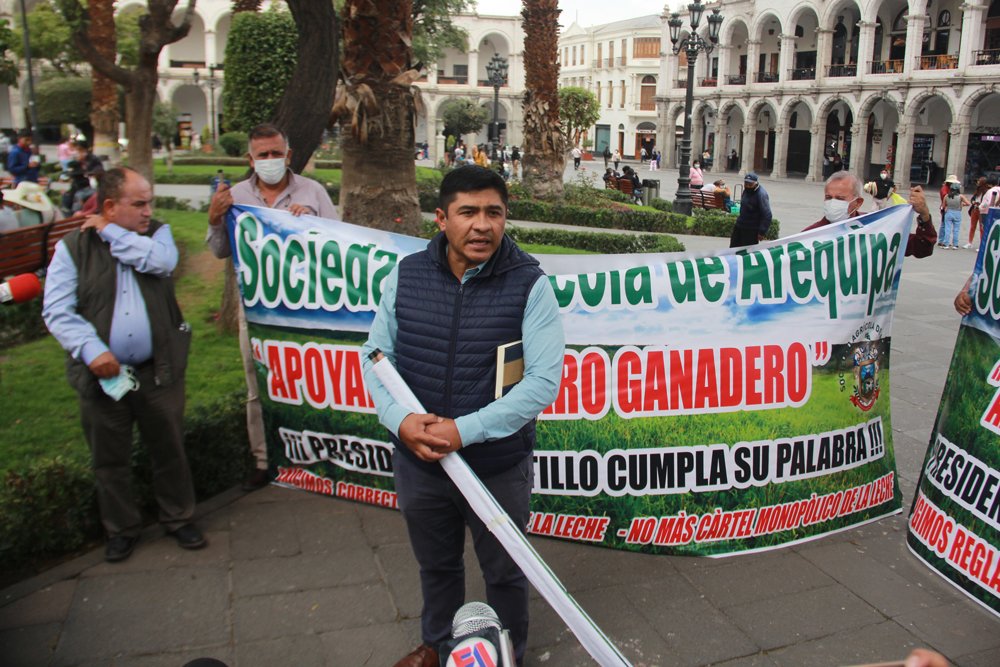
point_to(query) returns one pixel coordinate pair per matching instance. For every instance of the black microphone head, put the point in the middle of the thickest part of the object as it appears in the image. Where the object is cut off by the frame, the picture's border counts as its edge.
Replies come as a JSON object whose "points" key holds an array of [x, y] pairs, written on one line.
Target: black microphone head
{"points": [[473, 617]]}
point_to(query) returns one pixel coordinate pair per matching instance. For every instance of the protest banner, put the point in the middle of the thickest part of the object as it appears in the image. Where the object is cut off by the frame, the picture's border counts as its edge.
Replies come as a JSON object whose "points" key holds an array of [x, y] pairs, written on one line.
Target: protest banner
{"points": [[710, 403], [954, 523]]}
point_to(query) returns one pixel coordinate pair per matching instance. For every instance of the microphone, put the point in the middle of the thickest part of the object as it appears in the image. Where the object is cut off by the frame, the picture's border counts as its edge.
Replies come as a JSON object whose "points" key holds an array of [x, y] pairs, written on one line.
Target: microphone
{"points": [[478, 639], [20, 289]]}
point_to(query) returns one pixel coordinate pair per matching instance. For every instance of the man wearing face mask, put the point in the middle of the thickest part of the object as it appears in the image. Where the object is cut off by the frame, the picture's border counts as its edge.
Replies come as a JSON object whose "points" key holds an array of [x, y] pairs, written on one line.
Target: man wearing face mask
{"points": [[272, 185], [843, 197]]}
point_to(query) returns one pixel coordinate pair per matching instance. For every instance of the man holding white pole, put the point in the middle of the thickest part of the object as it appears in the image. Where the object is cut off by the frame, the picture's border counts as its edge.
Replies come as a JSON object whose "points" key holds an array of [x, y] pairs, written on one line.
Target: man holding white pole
{"points": [[444, 313]]}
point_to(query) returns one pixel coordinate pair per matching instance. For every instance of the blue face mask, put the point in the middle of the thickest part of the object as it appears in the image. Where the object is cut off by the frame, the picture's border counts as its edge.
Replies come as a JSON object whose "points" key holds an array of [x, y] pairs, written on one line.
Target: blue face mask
{"points": [[120, 384]]}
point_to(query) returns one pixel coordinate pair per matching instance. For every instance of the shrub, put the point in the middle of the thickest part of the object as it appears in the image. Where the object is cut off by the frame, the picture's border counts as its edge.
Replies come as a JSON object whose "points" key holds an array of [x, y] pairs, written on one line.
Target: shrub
{"points": [[21, 322], [596, 241], [50, 506], [172, 203], [234, 143]]}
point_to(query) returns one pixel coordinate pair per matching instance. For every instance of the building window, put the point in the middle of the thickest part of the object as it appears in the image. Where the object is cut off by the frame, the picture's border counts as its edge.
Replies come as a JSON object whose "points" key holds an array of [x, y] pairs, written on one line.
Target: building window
{"points": [[611, 94], [646, 47], [600, 54], [611, 54], [583, 59], [574, 55], [598, 93], [647, 92], [624, 49], [621, 102]]}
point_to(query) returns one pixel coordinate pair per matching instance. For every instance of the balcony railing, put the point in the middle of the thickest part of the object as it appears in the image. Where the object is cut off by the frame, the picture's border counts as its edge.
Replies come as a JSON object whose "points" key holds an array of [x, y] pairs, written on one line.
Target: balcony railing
{"points": [[709, 82], [986, 57], [850, 69], [680, 83], [736, 79], [187, 63], [938, 62], [486, 83], [609, 62], [454, 80], [621, 61], [766, 77], [802, 74], [596, 64], [885, 66]]}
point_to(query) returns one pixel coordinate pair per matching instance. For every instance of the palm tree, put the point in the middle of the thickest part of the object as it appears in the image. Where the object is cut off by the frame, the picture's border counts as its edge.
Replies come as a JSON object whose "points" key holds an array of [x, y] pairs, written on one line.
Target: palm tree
{"points": [[376, 104], [104, 99], [544, 159]]}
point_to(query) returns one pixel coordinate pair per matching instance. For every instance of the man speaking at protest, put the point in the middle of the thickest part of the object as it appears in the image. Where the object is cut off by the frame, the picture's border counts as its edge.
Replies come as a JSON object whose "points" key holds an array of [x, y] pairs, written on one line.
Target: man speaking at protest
{"points": [[444, 313], [272, 185]]}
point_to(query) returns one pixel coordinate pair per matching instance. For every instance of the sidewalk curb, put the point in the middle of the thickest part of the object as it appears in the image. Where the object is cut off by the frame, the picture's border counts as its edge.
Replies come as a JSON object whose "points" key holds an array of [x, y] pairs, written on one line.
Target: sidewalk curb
{"points": [[76, 566]]}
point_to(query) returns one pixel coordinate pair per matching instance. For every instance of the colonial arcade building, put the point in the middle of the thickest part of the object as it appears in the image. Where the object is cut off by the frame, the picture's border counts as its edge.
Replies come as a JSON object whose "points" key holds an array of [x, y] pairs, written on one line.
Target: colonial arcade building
{"points": [[794, 87]]}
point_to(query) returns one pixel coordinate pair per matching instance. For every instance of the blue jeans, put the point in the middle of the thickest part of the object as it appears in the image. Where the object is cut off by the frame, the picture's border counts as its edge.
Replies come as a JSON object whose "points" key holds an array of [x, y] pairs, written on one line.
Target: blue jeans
{"points": [[949, 228]]}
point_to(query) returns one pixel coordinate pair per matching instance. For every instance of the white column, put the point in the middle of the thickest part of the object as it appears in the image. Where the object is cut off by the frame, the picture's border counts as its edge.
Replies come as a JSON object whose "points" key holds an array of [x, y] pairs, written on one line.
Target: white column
{"points": [[210, 60], [163, 62], [786, 58], [749, 141], [780, 151], [753, 46], [432, 74], [865, 48], [437, 148], [816, 154], [973, 24], [859, 144], [904, 155], [824, 48], [724, 53], [914, 42], [473, 68], [957, 149]]}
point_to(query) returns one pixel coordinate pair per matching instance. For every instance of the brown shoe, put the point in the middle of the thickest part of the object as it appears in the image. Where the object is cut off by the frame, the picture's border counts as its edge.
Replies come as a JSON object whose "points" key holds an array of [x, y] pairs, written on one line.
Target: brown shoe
{"points": [[422, 656]]}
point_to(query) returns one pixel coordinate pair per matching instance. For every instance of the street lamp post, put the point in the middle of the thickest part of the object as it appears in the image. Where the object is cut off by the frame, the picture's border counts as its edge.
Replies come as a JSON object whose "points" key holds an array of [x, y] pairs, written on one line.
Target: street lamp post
{"points": [[691, 45], [212, 84], [496, 70]]}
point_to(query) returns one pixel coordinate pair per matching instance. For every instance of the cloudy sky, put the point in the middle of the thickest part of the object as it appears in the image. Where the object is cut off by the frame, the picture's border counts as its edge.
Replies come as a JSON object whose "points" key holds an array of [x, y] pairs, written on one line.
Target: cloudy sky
{"points": [[584, 12]]}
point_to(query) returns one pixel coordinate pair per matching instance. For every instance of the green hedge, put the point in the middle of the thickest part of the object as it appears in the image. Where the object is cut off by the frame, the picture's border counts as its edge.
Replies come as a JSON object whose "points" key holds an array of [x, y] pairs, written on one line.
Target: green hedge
{"points": [[225, 161], [601, 242], [49, 507]]}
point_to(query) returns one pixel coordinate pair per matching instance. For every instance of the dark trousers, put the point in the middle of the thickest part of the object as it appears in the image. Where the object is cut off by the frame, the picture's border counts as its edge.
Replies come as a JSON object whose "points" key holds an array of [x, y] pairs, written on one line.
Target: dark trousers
{"points": [[436, 514], [743, 236], [108, 426]]}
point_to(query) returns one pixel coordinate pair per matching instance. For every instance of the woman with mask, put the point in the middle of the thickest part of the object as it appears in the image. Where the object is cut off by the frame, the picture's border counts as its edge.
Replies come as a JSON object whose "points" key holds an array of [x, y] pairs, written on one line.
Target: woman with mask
{"points": [[697, 176], [952, 205]]}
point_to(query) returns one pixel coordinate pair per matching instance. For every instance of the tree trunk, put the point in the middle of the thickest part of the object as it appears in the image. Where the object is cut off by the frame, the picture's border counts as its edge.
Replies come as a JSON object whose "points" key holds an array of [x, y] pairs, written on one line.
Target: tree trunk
{"points": [[139, 102], [104, 100], [229, 308], [378, 186], [304, 110], [543, 163], [376, 106]]}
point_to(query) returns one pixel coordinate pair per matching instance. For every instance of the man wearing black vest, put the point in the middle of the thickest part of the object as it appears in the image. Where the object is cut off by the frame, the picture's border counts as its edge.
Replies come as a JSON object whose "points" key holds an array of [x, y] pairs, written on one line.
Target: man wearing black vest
{"points": [[443, 314], [109, 301]]}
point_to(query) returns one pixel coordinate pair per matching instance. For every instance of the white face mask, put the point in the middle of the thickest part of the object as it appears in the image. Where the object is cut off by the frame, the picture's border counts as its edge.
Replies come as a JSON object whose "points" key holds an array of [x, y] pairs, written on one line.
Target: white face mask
{"points": [[836, 210], [884, 175], [121, 384], [270, 171]]}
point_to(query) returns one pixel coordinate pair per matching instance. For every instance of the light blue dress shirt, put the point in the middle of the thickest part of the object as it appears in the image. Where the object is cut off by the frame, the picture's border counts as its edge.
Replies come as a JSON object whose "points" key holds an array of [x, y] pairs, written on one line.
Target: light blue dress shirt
{"points": [[131, 340], [543, 343]]}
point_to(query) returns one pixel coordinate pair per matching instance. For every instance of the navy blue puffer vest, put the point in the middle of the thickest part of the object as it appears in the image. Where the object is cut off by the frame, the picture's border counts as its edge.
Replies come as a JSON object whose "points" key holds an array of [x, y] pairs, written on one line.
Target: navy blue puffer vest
{"points": [[448, 337]]}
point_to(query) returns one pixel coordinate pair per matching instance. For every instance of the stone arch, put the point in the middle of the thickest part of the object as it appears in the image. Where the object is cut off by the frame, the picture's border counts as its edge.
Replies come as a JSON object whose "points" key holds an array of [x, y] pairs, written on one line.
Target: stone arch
{"points": [[972, 101], [869, 103], [828, 18], [914, 106], [730, 27], [827, 106], [504, 47], [785, 112], [763, 20], [800, 10]]}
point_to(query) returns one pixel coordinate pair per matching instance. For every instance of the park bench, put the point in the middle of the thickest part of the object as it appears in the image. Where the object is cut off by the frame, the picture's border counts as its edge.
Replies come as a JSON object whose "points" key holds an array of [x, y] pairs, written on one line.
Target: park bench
{"points": [[8, 182], [29, 249], [625, 186], [706, 199]]}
